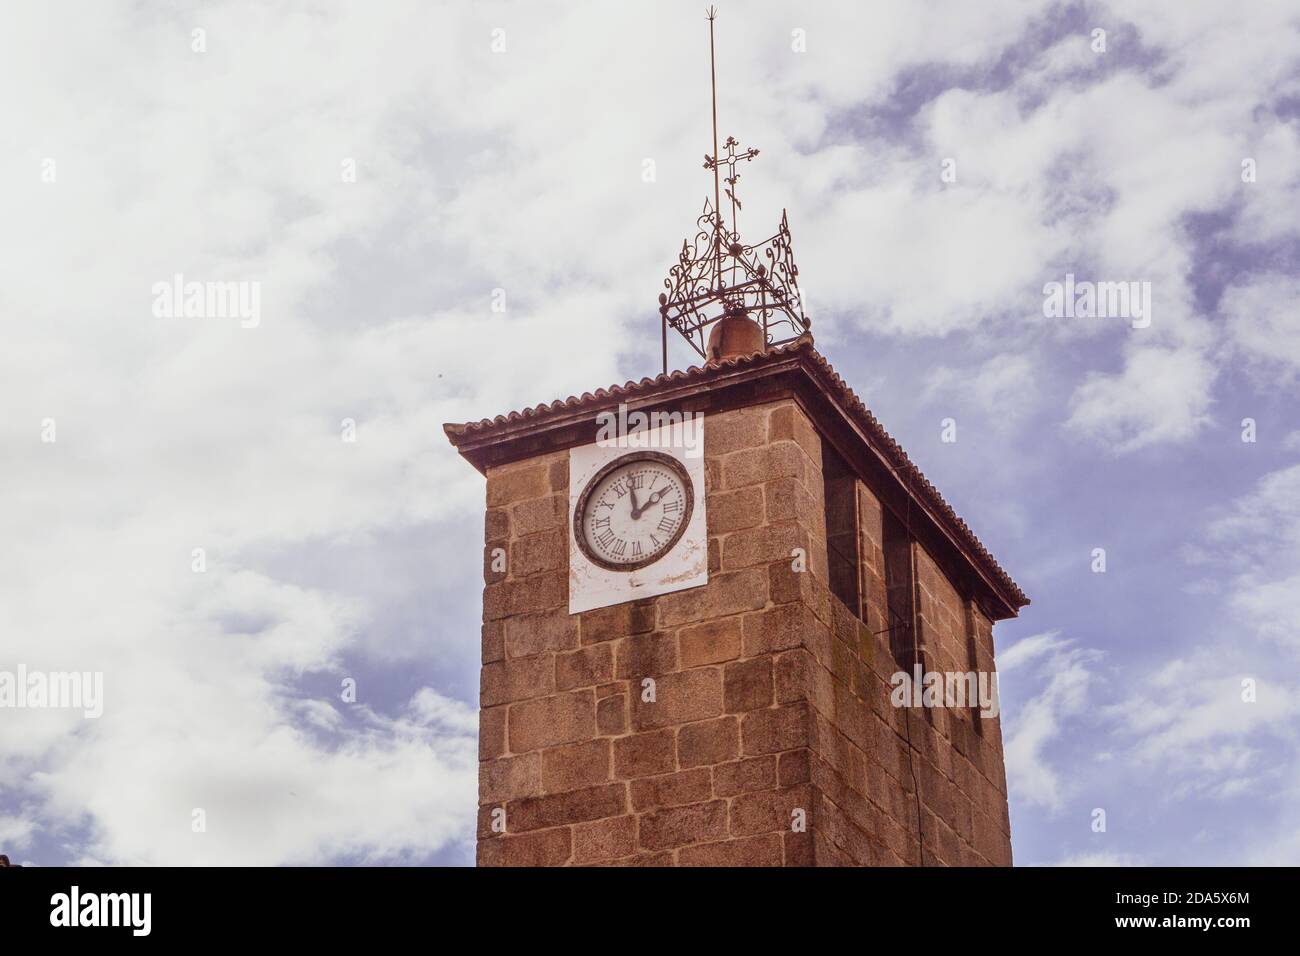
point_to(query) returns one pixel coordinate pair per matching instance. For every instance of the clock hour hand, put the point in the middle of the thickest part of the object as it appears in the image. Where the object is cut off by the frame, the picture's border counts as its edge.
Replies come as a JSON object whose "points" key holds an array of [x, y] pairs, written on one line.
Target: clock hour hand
{"points": [[650, 502]]}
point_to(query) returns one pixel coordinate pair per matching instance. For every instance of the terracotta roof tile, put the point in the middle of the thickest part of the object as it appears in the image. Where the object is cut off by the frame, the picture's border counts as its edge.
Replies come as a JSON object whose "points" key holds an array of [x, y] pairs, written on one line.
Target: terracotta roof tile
{"points": [[632, 389]]}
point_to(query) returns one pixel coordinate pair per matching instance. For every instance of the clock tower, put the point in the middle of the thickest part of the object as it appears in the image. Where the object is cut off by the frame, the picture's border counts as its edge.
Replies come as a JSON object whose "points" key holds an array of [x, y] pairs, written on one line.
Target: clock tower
{"points": [[724, 615]]}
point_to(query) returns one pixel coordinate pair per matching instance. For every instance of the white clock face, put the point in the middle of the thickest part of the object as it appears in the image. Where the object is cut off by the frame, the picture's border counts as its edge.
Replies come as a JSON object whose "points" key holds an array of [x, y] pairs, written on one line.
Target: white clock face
{"points": [[633, 511]]}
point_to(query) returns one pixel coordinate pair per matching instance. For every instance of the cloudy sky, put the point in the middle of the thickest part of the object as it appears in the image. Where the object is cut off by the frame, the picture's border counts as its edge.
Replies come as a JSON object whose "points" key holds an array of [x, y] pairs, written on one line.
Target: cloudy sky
{"points": [[388, 172]]}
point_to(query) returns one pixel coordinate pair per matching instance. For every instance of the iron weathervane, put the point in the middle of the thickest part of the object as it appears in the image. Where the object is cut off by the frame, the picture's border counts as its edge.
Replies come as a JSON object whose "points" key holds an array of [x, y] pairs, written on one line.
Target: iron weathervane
{"points": [[718, 274]]}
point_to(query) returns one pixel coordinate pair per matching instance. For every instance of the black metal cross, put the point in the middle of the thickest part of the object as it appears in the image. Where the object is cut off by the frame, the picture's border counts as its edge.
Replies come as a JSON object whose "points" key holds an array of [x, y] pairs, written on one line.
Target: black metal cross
{"points": [[729, 161]]}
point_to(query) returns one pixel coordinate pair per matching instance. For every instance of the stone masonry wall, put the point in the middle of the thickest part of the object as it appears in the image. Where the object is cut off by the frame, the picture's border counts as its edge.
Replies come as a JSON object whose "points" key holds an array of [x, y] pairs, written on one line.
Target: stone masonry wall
{"points": [[878, 769], [770, 696]]}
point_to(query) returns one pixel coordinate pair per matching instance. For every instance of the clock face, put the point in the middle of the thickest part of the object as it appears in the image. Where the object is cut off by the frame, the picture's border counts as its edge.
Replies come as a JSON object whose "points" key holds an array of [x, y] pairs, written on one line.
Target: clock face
{"points": [[633, 511]]}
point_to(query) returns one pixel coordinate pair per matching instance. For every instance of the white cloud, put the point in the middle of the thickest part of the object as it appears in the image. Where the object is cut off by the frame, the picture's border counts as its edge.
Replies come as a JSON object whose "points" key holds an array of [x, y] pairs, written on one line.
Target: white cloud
{"points": [[1260, 538], [1004, 387], [1162, 395], [1063, 676], [1264, 322], [271, 794], [1216, 724], [1190, 720], [15, 833]]}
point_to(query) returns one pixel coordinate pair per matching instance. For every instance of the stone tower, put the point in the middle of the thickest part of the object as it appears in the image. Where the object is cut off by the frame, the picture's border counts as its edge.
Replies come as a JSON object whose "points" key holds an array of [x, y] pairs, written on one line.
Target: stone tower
{"points": [[732, 701]]}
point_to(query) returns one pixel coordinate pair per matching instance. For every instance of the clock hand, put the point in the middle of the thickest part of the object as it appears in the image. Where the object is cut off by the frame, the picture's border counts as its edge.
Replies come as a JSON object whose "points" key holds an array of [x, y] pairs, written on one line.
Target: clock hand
{"points": [[651, 502], [635, 510]]}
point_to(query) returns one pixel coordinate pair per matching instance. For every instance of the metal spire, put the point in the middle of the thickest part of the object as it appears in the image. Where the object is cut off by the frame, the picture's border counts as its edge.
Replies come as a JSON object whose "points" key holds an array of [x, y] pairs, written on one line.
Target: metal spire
{"points": [[757, 280]]}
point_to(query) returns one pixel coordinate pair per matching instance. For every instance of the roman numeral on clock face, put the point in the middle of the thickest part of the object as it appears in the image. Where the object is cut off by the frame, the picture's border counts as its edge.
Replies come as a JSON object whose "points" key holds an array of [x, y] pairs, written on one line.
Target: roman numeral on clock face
{"points": [[672, 506], [666, 524]]}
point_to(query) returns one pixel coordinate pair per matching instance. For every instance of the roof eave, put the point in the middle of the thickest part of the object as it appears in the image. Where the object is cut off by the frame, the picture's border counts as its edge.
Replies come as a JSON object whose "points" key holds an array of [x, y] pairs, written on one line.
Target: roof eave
{"points": [[796, 370]]}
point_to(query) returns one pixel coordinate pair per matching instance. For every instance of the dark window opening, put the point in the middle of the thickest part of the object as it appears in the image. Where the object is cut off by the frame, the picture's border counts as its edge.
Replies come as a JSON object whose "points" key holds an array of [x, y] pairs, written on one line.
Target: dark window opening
{"points": [[841, 527], [977, 720], [899, 591]]}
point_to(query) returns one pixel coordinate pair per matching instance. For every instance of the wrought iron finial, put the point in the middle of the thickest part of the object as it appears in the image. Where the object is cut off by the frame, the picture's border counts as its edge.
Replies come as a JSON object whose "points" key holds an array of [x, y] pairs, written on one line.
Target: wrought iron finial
{"points": [[730, 161], [719, 275]]}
